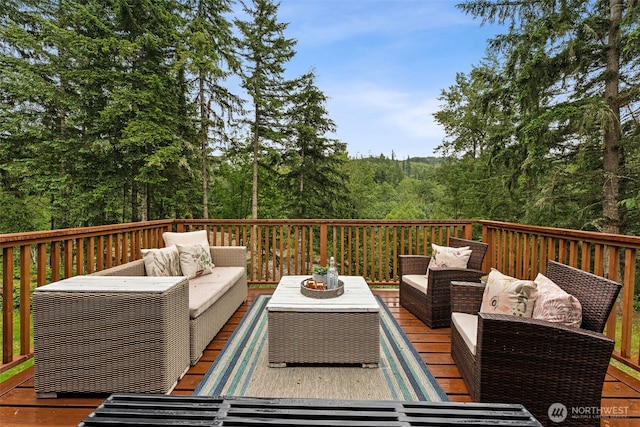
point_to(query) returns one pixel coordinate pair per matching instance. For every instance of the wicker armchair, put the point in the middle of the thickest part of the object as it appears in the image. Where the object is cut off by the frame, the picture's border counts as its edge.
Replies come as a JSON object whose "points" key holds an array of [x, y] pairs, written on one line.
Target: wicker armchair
{"points": [[433, 305], [534, 362]]}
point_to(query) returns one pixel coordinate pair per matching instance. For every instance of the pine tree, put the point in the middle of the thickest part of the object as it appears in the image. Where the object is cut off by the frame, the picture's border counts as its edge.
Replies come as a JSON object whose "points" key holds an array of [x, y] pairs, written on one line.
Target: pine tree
{"points": [[147, 104], [312, 161], [265, 50], [570, 66], [211, 58]]}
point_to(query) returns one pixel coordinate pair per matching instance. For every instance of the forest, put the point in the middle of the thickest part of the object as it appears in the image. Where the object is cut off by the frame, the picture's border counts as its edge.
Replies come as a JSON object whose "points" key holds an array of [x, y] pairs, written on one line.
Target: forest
{"points": [[122, 110]]}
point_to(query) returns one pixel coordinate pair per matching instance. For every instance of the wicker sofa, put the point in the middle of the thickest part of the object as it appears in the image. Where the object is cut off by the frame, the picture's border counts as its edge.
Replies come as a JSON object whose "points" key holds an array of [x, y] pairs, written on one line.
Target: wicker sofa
{"points": [[213, 298], [511, 359], [429, 299]]}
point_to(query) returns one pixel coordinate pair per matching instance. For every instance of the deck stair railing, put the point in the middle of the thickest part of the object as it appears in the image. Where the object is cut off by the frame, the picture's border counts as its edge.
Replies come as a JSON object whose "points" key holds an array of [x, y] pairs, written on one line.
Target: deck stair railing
{"points": [[366, 248]]}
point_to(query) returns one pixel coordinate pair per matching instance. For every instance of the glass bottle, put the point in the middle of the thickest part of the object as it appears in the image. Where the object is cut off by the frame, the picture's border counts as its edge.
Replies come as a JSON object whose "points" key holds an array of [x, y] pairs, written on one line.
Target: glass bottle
{"points": [[332, 275]]}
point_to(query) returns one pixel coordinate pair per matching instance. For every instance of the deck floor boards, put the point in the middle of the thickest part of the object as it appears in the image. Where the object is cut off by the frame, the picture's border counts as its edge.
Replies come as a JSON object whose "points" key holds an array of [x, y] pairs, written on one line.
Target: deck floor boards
{"points": [[19, 406]]}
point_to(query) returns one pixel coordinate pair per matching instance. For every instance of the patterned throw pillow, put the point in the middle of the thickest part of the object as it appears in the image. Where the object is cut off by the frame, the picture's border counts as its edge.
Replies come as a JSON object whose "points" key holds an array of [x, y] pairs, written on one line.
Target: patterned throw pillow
{"points": [[195, 260], [444, 256], [162, 262], [507, 295], [556, 305]]}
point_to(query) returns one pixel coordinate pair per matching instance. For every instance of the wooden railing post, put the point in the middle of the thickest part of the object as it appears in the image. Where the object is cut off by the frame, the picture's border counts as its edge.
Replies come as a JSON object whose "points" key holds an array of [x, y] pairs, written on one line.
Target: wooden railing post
{"points": [[467, 231], [627, 303], [323, 244], [7, 305], [25, 299]]}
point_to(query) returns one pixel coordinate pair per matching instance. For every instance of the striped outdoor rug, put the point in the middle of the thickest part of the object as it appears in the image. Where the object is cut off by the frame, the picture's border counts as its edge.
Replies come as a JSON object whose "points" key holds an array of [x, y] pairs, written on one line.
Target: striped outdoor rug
{"points": [[242, 368]]}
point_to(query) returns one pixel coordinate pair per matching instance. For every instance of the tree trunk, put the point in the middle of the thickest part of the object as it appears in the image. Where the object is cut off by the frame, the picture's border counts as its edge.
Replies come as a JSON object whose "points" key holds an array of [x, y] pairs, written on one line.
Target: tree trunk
{"points": [[611, 134], [134, 201], [204, 131], [254, 195]]}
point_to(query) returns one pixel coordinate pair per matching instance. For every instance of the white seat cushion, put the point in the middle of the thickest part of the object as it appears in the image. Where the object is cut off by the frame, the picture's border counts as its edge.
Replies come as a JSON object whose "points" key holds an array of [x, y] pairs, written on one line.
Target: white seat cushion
{"points": [[418, 281], [467, 326], [205, 290]]}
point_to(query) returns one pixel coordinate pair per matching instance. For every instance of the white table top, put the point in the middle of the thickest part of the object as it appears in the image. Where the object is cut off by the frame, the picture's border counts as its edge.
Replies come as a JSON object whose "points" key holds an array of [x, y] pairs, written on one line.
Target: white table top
{"points": [[357, 297], [140, 284]]}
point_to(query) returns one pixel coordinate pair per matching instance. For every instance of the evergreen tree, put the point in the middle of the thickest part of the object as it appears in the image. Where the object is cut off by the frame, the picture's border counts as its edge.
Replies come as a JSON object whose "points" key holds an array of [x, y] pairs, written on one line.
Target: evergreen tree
{"points": [[45, 70], [265, 50], [571, 67], [313, 179], [148, 105], [211, 58]]}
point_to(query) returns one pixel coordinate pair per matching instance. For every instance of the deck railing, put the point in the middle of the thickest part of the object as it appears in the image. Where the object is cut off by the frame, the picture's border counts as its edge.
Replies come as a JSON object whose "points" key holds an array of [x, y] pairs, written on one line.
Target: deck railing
{"points": [[368, 248]]}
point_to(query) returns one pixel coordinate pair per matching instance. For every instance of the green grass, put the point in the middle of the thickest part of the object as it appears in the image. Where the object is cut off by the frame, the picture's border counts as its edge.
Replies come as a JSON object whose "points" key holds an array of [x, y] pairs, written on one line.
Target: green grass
{"points": [[635, 344], [16, 370], [16, 348]]}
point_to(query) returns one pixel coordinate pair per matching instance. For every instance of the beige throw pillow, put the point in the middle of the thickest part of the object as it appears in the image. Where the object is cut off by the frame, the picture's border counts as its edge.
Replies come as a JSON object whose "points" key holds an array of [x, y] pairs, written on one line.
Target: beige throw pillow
{"points": [[161, 262], [188, 238], [556, 305], [195, 260], [507, 295], [444, 256]]}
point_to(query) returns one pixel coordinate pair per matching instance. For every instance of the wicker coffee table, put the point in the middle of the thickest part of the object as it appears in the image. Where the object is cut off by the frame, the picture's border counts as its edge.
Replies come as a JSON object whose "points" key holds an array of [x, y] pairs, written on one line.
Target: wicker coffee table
{"points": [[341, 330]]}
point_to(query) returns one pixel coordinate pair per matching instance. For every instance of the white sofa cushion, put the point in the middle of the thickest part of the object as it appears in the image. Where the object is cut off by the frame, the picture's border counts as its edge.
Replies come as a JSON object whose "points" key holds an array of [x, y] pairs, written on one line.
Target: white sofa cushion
{"points": [[418, 281], [467, 325], [188, 238], [204, 291]]}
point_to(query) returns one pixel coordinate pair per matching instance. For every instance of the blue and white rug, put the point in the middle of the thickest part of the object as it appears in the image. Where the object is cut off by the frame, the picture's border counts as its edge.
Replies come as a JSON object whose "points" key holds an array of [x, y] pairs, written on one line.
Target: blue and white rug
{"points": [[241, 368]]}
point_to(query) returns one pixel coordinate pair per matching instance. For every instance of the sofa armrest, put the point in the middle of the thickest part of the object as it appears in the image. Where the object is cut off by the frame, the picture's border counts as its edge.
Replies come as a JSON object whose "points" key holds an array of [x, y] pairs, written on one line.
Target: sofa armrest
{"points": [[131, 268], [534, 327], [229, 256], [538, 363], [450, 274], [561, 354], [412, 264], [466, 297]]}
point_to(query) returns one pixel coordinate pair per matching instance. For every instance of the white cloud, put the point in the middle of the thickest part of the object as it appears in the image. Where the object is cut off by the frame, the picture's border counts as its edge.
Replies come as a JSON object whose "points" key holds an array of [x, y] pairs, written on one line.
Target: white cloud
{"points": [[383, 63], [378, 119]]}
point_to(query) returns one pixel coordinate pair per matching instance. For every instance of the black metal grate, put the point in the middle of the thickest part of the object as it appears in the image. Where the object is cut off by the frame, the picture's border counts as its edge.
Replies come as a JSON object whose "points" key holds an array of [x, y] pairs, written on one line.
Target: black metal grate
{"points": [[158, 410]]}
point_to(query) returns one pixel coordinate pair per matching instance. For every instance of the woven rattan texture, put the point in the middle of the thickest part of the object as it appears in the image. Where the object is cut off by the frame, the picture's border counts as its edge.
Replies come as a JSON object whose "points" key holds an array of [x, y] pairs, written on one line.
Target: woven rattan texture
{"points": [[537, 363], [205, 327], [434, 306], [106, 342], [326, 337], [208, 324]]}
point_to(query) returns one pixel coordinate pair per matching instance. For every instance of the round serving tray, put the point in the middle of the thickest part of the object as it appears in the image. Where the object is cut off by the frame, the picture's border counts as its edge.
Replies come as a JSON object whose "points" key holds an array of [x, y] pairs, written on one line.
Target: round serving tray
{"points": [[322, 293]]}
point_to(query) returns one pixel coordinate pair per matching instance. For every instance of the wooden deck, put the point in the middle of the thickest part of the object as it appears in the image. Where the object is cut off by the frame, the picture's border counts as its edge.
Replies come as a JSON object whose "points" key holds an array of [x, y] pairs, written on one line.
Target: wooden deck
{"points": [[19, 406]]}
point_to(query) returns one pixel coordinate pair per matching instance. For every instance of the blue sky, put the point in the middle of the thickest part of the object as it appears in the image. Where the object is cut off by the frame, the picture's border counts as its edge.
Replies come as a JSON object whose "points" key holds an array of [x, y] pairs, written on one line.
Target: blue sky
{"points": [[383, 64]]}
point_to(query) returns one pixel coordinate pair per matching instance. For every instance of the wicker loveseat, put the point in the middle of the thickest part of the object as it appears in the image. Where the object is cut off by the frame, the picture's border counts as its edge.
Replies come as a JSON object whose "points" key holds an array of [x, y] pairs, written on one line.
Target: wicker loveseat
{"points": [[536, 363], [429, 299], [213, 298]]}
